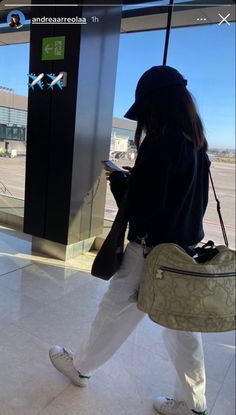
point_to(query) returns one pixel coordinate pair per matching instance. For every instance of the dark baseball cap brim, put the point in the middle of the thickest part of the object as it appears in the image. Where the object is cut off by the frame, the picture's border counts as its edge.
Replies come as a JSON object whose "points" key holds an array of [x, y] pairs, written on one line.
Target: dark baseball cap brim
{"points": [[151, 81], [132, 113]]}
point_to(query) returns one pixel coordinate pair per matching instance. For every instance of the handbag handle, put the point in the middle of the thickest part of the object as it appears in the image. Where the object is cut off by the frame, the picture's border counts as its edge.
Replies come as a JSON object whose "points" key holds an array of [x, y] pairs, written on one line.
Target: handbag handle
{"points": [[218, 210]]}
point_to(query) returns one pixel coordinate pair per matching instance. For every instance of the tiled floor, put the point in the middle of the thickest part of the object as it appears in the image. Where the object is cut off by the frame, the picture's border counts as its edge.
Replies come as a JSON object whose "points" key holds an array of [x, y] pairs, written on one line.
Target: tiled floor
{"points": [[45, 301]]}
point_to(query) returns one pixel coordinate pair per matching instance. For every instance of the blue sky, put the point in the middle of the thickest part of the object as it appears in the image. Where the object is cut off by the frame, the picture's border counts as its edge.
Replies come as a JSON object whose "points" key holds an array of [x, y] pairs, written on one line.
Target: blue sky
{"points": [[204, 55]]}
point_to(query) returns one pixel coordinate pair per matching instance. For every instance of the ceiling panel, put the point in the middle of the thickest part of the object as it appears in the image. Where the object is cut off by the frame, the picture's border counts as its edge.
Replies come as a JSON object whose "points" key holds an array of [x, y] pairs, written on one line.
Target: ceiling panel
{"points": [[154, 17]]}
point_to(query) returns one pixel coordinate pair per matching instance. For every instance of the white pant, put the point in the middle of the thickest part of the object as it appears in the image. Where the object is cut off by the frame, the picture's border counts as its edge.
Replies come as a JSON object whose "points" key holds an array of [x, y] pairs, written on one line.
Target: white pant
{"points": [[117, 317]]}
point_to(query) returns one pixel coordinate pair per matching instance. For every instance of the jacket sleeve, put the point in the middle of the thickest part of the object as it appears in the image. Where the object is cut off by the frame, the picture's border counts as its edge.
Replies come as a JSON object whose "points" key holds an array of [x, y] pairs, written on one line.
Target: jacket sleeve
{"points": [[118, 185], [148, 184]]}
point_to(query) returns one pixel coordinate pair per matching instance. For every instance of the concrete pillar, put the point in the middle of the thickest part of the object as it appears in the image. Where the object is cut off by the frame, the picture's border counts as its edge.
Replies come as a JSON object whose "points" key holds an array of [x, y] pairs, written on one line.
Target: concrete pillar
{"points": [[69, 130]]}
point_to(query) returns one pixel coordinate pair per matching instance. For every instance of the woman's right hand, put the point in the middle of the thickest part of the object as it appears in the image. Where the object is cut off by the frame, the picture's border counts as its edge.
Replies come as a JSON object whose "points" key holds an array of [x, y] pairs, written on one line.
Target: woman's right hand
{"points": [[129, 168]]}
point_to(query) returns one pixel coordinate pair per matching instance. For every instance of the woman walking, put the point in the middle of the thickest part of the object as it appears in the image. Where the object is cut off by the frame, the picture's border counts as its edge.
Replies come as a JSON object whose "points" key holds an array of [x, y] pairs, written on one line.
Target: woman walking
{"points": [[166, 200]]}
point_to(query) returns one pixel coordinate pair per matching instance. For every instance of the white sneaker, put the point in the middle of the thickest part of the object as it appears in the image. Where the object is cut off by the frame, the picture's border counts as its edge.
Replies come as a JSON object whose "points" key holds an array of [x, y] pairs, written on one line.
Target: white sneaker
{"points": [[62, 360], [167, 406]]}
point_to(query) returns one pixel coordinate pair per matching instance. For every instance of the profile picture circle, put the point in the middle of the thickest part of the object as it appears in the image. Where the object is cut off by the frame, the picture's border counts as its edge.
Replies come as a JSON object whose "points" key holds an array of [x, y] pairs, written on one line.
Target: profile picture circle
{"points": [[15, 19]]}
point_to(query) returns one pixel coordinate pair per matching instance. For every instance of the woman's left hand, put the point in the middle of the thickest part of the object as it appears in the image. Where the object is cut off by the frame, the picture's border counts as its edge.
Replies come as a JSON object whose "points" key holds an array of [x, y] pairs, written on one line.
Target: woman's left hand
{"points": [[108, 171]]}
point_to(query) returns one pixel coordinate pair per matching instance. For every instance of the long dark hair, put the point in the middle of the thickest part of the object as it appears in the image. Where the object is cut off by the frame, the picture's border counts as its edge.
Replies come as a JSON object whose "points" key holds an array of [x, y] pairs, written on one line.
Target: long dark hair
{"points": [[170, 108]]}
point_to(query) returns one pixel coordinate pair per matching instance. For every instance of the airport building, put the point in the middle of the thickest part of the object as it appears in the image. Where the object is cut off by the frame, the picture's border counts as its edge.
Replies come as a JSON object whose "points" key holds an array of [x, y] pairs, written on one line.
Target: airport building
{"points": [[13, 125], [13, 120]]}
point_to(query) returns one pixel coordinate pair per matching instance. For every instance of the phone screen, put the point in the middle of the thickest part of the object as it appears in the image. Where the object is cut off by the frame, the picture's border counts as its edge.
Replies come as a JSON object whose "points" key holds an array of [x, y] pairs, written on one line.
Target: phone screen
{"points": [[111, 165]]}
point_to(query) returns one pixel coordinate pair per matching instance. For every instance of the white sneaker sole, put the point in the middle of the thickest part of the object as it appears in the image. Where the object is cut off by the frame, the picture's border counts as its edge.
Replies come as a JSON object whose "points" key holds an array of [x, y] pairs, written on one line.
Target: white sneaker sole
{"points": [[167, 406]]}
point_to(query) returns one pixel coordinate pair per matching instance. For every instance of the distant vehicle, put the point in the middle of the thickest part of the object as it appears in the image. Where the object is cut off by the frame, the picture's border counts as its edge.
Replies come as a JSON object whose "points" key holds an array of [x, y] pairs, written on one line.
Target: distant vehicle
{"points": [[119, 155], [13, 153]]}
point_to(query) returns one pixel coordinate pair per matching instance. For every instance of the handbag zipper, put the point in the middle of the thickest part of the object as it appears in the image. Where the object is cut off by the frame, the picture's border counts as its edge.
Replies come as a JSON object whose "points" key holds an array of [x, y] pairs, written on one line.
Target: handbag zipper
{"points": [[193, 273]]}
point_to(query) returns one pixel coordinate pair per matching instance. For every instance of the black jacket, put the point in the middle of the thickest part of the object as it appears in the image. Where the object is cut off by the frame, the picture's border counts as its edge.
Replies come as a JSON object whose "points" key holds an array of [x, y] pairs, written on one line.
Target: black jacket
{"points": [[167, 191]]}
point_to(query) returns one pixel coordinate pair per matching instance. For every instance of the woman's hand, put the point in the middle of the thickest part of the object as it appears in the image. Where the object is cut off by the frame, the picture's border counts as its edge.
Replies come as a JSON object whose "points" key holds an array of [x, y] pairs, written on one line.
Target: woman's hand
{"points": [[108, 171], [129, 168]]}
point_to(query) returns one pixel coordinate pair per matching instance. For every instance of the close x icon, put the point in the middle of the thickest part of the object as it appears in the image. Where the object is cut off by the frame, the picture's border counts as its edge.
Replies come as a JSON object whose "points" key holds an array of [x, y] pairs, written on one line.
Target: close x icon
{"points": [[224, 19]]}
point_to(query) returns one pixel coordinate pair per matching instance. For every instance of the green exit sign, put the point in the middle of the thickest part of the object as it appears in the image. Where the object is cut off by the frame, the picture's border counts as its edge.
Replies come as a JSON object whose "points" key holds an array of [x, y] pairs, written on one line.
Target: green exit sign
{"points": [[53, 48]]}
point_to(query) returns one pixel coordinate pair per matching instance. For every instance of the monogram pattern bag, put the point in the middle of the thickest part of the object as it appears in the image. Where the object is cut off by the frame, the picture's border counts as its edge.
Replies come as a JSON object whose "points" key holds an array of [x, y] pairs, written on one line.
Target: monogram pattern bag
{"points": [[190, 293], [178, 292]]}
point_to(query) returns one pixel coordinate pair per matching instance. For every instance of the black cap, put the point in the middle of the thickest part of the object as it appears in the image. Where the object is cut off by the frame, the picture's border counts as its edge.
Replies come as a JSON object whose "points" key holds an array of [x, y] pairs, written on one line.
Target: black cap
{"points": [[155, 78]]}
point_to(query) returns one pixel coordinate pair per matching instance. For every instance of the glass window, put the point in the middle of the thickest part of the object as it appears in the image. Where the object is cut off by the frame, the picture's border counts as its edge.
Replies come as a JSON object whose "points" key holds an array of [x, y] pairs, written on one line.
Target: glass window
{"points": [[137, 53], [205, 55], [13, 124]]}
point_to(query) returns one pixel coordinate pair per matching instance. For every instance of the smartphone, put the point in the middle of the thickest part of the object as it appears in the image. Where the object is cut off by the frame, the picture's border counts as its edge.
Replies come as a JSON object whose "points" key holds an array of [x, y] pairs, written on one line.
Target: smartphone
{"points": [[111, 165]]}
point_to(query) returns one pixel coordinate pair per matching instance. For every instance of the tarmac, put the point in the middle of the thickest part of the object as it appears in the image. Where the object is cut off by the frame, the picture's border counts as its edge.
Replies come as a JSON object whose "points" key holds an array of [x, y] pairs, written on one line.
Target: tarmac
{"points": [[12, 182]]}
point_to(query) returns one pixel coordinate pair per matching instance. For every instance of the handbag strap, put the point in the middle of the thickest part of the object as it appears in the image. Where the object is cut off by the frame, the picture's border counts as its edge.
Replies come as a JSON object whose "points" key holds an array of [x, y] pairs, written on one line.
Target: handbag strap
{"points": [[218, 210], [121, 220]]}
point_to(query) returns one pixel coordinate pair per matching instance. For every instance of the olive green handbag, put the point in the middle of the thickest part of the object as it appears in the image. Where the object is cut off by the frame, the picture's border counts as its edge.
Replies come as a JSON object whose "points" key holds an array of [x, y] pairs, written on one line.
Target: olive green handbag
{"points": [[178, 292], [190, 293]]}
